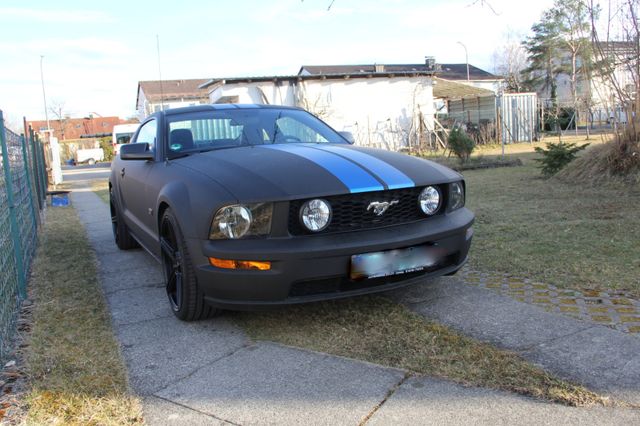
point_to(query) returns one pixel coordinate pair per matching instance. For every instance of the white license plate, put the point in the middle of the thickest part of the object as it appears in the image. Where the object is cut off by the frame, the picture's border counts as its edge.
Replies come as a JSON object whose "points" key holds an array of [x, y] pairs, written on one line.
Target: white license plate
{"points": [[394, 262]]}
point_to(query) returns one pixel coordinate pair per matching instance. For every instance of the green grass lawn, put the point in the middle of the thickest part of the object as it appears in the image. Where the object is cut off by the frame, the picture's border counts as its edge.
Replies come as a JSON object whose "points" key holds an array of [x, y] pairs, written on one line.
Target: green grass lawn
{"points": [[568, 235]]}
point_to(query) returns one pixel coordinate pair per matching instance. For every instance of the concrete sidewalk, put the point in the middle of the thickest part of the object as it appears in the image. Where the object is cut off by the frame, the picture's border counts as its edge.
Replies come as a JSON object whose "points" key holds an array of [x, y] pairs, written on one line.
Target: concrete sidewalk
{"points": [[209, 372]]}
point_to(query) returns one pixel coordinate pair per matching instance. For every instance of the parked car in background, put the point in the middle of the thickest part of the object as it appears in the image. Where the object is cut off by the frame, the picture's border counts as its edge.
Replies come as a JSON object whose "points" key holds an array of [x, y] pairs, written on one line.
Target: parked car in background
{"points": [[250, 206], [122, 134]]}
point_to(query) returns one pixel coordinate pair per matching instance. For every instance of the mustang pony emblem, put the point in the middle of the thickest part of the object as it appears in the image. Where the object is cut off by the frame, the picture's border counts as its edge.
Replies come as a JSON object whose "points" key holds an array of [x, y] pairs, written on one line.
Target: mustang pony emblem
{"points": [[380, 207]]}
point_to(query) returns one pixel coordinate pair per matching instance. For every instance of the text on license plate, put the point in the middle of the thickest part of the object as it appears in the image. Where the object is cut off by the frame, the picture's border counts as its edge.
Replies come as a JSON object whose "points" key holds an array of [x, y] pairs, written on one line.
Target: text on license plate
{"points": [[394, 262]]}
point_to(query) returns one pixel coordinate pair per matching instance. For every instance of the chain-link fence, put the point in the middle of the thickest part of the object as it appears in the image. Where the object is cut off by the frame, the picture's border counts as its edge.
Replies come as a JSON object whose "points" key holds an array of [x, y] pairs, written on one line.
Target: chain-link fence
{"points": [[22, 195]]}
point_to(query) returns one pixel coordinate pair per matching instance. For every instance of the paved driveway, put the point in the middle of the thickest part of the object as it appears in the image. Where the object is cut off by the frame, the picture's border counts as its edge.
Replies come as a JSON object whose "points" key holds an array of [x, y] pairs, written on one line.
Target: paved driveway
{"points": [[209, 372]]}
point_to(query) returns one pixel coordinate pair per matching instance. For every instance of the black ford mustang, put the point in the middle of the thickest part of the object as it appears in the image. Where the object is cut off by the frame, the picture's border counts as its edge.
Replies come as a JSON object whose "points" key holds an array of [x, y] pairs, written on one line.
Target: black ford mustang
{"points": [[248, 206]]}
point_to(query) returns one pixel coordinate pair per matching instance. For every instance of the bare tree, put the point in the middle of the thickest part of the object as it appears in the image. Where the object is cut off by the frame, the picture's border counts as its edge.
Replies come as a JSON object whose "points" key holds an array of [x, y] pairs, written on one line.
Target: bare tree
{"points": [[615, 40], [59, 111], [510, 60]]}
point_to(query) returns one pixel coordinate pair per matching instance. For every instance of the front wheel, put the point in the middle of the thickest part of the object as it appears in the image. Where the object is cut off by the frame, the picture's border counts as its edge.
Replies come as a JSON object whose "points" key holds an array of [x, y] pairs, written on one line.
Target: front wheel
{"points": [[185, 297]]}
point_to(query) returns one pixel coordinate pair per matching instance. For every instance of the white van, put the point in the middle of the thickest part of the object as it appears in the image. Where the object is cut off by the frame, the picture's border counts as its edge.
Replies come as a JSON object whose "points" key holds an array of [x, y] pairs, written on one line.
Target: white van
{"points": [[122, 134]]}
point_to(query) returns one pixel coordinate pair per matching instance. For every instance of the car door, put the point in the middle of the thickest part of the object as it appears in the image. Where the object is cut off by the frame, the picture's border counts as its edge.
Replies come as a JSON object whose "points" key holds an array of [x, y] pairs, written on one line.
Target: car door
{"points": [[133, 176]]}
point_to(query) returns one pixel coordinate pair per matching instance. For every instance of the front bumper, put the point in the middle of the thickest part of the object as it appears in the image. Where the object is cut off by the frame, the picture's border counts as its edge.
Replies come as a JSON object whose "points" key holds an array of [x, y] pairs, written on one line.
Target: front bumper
{"points": [[316, 267]]}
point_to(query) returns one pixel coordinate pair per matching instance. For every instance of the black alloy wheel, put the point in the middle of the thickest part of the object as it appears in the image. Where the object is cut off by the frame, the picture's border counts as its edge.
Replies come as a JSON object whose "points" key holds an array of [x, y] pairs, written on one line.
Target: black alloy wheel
{"points": [[172, 264], [185, 296]]}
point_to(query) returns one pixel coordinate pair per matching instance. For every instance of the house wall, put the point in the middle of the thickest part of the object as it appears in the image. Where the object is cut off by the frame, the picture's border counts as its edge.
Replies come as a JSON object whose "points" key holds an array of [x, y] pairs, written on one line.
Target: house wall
{"points": [[379, 112], [272, 93], [145, 108]]}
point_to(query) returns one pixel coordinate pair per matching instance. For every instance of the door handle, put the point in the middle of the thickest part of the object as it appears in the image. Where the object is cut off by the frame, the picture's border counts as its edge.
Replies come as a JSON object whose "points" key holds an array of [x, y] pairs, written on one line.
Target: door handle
{"points": [[122, 172]]}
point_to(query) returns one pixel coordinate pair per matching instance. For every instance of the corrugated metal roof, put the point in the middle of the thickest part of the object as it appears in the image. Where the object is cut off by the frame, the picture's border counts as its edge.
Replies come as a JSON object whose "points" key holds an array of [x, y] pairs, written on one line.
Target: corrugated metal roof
{"points": [[173, 89], [446, 89]]}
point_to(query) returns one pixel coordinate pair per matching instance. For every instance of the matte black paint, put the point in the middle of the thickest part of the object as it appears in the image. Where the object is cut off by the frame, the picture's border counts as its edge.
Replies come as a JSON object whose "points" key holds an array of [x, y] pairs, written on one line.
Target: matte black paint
{"points": [[195, 187]]}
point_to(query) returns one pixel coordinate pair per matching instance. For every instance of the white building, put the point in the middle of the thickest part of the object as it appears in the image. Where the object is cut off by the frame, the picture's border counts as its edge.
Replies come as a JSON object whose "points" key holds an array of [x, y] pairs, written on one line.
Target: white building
{"points": [[156, 95], [385, 106]]}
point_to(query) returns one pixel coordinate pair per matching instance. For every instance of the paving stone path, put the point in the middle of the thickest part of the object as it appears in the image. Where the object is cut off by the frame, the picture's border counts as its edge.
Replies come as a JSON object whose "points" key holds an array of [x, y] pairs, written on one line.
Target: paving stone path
{"points": [[614, 309]]}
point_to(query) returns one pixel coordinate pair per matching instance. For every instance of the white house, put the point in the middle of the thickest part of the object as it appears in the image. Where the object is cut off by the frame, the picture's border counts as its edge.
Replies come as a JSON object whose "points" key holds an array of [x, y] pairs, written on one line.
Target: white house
{"points": [[156, 95], [385, 106]]}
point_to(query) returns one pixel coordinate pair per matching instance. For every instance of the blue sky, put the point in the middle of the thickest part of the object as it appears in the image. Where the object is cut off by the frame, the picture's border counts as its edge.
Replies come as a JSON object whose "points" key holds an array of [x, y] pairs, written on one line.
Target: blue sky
{"points": [[95, 53]]}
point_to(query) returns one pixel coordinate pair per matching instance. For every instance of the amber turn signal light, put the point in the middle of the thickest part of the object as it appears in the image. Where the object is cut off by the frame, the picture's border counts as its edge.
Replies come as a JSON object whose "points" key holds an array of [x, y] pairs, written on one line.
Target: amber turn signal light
{"points": [[239, 264]]}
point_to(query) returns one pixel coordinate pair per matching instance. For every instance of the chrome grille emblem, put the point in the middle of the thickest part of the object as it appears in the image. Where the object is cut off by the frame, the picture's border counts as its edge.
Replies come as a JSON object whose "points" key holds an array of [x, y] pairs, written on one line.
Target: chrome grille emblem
{"points": [[379, 207]]}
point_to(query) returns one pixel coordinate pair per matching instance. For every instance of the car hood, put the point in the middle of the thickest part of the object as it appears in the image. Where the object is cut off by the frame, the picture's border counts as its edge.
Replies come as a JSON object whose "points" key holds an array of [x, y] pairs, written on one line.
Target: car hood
{"points": [[292, 171]]}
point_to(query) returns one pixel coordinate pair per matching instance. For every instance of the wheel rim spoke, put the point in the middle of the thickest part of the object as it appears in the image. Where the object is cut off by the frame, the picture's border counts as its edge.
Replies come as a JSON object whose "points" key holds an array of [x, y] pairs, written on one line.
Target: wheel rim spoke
{"points": [[168, 250], [172, 266], [178, 286]]}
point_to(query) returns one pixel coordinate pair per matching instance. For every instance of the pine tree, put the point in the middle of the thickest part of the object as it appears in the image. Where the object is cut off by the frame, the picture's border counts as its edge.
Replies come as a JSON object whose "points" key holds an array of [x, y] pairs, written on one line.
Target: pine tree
{"points": [[543, 49]]}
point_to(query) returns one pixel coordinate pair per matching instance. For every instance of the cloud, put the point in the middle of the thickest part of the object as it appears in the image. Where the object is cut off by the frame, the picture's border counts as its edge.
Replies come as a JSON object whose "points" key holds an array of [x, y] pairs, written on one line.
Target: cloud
{"points": [[56, 16]]}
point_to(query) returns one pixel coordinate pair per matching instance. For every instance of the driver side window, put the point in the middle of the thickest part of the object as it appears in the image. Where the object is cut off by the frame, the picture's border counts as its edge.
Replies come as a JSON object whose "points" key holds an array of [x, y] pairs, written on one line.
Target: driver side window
{"points": [[148, 133]]}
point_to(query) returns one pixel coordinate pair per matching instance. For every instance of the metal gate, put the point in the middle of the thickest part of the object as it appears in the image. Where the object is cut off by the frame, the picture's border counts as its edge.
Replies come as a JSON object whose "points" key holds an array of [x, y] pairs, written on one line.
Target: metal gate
{"points": [[517, 116]]}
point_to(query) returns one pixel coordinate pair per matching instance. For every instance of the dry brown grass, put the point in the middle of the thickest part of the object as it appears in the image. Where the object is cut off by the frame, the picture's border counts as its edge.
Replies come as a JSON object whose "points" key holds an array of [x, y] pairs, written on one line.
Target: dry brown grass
{"points": [[101, 188], [76, 372], [377, 330], [616, 162]]}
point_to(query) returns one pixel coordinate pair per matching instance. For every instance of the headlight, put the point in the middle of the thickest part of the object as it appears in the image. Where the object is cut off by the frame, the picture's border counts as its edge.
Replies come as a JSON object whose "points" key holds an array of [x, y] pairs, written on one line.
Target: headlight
{"points": [[237, 221], [457, 196], [429, 200], [315, 215]]}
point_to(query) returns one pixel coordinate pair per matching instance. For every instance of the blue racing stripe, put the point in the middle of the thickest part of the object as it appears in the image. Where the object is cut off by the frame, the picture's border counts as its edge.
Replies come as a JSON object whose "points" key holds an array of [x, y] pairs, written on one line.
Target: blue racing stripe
{"points": [[351, 175], [391, 176]]}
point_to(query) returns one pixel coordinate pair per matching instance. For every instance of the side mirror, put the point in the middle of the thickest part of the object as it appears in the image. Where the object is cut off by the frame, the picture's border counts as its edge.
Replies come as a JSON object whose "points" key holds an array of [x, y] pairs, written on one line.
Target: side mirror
{"points": [[136, 151], [348, 136]]}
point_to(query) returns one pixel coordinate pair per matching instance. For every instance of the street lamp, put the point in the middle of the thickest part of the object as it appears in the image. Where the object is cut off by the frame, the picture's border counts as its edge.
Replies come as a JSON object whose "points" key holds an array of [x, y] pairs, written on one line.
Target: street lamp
{"points": [[466, 56], [44, 98]]}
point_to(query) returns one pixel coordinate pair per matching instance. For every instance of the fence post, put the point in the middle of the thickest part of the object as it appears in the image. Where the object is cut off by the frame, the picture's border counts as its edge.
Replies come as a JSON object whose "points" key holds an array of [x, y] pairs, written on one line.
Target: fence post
{"points": [[28, 175], [15, 233], [43, 169], [36, 168]]}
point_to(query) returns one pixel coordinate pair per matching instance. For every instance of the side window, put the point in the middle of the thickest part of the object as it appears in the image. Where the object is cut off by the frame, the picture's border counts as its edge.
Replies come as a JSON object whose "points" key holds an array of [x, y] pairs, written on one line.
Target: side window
{"points": [[148, 133]]}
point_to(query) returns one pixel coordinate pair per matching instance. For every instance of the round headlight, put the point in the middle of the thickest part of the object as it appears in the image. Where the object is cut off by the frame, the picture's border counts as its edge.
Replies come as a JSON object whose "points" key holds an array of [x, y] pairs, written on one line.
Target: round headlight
{"points": [[429, 200], [233, 221], [315, 215]]}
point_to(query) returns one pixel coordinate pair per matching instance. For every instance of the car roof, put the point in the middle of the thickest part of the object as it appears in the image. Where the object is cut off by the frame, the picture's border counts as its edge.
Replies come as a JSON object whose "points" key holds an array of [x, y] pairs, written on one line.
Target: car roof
{"points": [[218, 107]]}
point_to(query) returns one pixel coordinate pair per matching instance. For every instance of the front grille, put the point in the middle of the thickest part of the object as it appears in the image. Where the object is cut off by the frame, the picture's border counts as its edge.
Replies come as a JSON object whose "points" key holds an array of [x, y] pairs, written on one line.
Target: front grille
{"points": [[349, 212]]}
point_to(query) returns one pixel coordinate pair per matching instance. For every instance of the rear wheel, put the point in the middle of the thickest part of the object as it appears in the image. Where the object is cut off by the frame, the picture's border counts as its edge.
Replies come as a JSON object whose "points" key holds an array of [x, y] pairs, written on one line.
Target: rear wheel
{"points": [[185, 297], [121, 233], [91, 161]]}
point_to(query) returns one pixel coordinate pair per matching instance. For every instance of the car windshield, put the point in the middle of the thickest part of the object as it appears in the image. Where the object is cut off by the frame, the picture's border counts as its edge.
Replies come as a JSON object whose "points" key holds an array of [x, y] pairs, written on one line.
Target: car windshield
{"points": [[227, 128]]}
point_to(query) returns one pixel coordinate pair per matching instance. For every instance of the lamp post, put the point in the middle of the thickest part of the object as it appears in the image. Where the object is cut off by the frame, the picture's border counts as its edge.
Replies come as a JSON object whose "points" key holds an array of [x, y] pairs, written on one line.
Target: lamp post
{"points": [[44, 98], [466, 57]]}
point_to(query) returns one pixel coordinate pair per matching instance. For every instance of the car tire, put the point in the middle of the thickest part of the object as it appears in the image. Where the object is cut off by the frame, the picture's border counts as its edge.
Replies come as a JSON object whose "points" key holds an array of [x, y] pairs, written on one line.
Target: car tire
{"points": [[91, 161], [185, 297], [121, 233]]}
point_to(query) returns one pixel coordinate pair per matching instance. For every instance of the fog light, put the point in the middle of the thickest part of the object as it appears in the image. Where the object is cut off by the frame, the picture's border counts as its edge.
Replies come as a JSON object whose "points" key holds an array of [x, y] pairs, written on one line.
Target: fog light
{"points": [[240, 264]]}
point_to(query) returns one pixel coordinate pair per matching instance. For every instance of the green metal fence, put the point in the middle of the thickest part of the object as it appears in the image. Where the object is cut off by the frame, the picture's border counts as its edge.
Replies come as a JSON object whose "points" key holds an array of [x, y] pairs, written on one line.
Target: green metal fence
{"points": [[22, 196]]}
